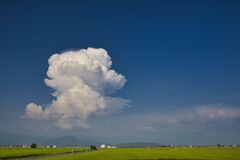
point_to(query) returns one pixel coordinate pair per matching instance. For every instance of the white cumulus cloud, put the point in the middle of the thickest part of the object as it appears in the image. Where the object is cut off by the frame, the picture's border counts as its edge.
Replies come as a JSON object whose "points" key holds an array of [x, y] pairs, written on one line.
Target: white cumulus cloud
{"points": [[83, 82]]}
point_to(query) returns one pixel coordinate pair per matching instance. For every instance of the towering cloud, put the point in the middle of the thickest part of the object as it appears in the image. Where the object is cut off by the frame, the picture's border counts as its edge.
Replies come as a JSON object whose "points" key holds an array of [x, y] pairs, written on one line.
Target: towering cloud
{"points": [[83, 82]]}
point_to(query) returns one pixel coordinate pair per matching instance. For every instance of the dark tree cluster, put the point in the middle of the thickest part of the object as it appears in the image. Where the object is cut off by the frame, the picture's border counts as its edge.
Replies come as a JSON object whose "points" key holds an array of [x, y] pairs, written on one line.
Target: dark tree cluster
{"points": [[93, 147], [33, 145]]}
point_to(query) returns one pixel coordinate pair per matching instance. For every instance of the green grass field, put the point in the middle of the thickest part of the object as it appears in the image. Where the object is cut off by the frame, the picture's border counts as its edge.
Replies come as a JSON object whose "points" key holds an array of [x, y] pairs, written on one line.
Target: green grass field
{"points": [[202, 153], [195, 153], [6, 153]]}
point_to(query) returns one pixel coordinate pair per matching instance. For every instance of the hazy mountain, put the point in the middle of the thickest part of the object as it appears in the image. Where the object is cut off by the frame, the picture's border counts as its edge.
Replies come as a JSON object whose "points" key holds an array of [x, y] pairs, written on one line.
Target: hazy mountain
{"points": [[70, 141], [11, 139], [139, 145]]}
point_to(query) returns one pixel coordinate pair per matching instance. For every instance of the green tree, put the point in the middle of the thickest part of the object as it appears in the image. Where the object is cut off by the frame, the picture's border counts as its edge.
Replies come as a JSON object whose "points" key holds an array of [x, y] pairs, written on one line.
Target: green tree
{"points": [[93, 147], [33, 145]]}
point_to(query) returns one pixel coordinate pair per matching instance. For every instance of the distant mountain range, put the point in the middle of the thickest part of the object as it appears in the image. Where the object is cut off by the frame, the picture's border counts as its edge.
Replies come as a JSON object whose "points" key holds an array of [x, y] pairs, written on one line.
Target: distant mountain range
{"points": [[70, 141], [10, 139]]}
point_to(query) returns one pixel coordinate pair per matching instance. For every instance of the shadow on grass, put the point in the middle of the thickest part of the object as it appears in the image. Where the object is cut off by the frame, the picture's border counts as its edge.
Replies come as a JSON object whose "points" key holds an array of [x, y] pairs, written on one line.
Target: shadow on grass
{"points": [[164, 159], [22, 156], [18, 157]]}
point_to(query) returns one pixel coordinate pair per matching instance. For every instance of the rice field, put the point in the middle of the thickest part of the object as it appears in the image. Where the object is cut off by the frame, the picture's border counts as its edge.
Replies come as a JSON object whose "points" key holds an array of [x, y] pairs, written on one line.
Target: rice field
{"points": [[201, 153], [195, 153], [7, 153]]}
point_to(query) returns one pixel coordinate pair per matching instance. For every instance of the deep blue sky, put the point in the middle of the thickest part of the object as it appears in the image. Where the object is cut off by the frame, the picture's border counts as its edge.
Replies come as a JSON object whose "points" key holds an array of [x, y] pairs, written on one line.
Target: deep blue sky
{"points": [[174, 54]]}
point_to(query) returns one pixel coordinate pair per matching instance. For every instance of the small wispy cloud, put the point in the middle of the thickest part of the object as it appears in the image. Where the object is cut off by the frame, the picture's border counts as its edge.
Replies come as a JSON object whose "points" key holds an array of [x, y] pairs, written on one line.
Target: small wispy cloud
{"points": [[218, 113], [187, 117], [83, 81], [204, 114]]}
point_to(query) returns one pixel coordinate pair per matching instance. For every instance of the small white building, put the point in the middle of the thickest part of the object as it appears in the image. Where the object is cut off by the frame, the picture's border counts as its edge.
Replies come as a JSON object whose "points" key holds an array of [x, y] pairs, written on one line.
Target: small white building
{"points": [[103, 146]]}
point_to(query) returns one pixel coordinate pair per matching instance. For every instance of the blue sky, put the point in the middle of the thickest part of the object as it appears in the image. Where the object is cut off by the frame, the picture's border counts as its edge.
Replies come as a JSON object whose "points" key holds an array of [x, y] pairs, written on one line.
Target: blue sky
{"points": [[176, 56]]}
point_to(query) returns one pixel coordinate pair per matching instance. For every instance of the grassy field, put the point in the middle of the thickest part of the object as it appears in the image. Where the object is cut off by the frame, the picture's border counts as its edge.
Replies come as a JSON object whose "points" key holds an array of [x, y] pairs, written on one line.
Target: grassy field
{"points": [[6, 153], [158, 154], [195, 153]]}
